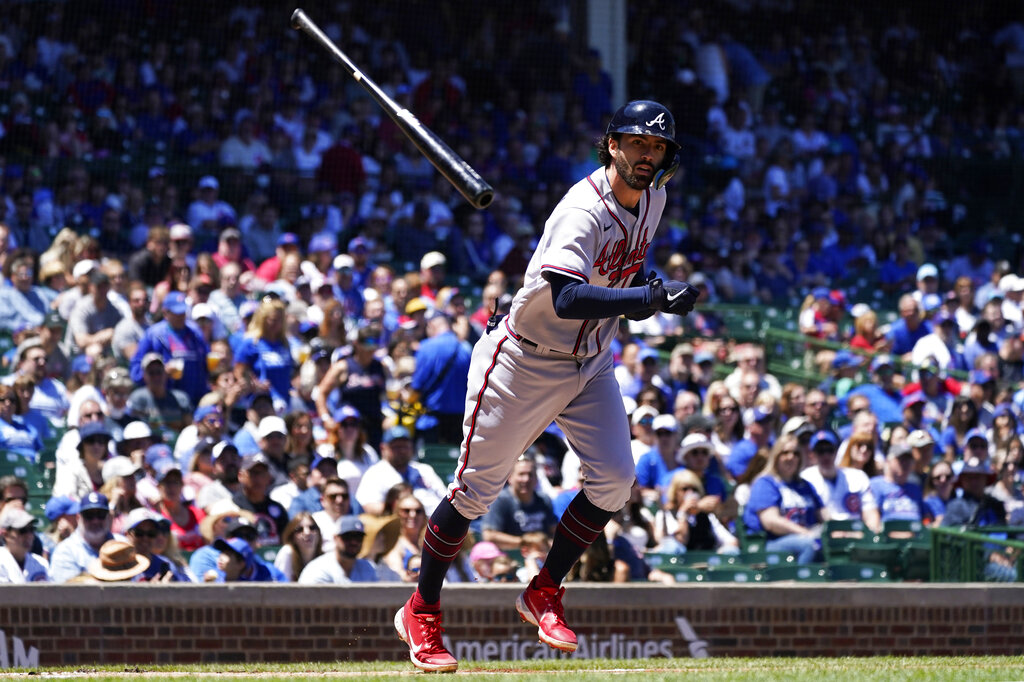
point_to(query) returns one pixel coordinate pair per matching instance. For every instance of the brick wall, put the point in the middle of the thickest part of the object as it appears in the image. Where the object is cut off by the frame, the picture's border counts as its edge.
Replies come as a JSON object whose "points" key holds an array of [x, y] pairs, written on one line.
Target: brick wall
{"points": [[163, 624]]}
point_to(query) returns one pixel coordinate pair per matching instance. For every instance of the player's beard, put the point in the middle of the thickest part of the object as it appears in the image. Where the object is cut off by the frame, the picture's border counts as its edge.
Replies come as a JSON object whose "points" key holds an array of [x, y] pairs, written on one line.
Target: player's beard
{"points": [[625, 171]]}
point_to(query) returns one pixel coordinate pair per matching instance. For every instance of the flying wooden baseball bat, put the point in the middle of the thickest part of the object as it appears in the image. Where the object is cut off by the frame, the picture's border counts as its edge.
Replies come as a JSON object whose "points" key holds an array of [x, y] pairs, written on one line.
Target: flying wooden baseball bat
{"points": [[462, 176]]}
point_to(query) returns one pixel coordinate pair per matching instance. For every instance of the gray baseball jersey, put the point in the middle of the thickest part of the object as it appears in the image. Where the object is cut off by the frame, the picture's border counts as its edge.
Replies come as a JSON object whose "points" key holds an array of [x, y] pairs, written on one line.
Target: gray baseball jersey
{"points": [[535, 368]]}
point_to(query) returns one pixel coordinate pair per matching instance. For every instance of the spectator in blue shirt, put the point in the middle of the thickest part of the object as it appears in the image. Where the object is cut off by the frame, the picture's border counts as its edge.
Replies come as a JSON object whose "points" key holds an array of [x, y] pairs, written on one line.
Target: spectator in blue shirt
{"points": [[175, 339], [785, 505], [439, 382], [265, 352], [237, 563], [73, 556], [24, 304], [909, 329], [898, 498]]}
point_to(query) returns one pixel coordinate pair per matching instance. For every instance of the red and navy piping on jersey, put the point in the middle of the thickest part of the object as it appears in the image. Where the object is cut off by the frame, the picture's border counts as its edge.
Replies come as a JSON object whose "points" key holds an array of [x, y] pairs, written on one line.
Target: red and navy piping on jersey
{"points": [[567, 271], [476, 413]]}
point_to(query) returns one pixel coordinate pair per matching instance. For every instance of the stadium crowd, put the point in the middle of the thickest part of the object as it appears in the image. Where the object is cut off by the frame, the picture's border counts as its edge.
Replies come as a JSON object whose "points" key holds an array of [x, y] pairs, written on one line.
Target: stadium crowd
{"points": [[238, 299]]}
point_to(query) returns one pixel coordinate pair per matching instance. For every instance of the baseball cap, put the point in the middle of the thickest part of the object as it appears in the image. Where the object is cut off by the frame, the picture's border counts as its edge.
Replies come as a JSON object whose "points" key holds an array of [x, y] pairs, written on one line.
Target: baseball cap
{"points": [[271, 424], [118, 466], [202, 311], [322, 242], [976, 433], [702, 356], [972, 465], [845, 359], [141, 515], [180, 231], [82, 268], [220, 447], [15, 517], [665, 422], [899, 450], [57, 507], [756, 414], [415, 305], [81, 363], [797, 426], [230, 233], [94, 501], [91, 429], [927, 270], [432, 259], [174, 303], [150, 358], [642, 412], [821, 292], [684, 348], [237, 546], [697, 422], [251, 461], [484, 551], [155, 453], [53, 319], [918, 438], [357, 243], [824, 436], [205, 411], [647, 354], [394, 433], [164, 467], [320, 459], [344, 261], [346, 412], [881, 361], [350, 524], [288, 239], [694, 441], [911, 399], [208, 182], [242, 527]]}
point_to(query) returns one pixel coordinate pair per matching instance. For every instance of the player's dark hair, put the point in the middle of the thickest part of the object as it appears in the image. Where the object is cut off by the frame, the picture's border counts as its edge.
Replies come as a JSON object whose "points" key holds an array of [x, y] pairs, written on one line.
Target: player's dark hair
{"points": [[604, 156]]}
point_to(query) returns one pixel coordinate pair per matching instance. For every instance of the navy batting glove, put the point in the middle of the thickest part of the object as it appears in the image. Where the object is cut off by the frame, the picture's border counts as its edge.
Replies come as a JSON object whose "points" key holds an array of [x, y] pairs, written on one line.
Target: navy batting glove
{"points": [[677, 298]]}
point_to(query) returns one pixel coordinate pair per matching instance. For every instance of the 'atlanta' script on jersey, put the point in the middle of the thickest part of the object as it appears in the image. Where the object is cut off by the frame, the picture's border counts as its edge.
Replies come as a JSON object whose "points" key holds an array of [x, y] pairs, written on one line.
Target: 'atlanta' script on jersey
{"points": [[615, 263]]}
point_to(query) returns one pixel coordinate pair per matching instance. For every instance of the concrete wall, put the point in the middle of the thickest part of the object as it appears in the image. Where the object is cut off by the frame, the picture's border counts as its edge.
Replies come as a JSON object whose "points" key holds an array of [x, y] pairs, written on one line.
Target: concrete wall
{"points": [[207, 623]]}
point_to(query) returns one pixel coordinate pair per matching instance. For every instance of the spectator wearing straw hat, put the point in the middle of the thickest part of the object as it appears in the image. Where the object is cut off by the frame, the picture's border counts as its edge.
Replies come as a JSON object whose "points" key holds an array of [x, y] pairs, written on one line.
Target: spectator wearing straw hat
{"points": [[119, 562]]}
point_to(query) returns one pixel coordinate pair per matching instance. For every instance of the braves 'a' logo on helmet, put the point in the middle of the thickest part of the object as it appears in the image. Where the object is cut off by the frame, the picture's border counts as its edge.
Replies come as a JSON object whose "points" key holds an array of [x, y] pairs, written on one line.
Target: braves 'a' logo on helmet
{"points": [[659, 119]]}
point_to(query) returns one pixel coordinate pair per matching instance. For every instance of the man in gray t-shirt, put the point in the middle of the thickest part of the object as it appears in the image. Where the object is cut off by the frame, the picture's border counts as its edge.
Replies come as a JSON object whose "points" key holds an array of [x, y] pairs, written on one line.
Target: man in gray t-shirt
{"points": [[130, 330], [93, 318], [342, 566]]}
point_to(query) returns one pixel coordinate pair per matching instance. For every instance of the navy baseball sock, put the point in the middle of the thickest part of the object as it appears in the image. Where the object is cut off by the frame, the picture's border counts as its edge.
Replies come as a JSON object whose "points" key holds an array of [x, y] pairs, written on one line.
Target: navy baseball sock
{"points": [[581, 523], [446, 530]]}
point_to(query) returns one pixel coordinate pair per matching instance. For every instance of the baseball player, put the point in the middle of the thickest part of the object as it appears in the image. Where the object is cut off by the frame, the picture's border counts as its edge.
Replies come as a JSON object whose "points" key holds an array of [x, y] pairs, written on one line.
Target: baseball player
{"points": [[550, 360]]}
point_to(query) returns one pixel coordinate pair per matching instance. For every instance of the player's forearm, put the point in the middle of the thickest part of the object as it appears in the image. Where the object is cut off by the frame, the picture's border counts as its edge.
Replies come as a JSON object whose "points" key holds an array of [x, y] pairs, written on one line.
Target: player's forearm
{"points": [[574, 300]]}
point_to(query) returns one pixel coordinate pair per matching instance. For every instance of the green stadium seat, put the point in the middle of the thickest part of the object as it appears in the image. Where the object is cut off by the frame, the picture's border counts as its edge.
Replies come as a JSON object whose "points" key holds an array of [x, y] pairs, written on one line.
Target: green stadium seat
{"points": [[765, 559], [915, 559], [687, 575], [798, 572], [875, 550], [268, 552], [733, 574], [858, 573], [896, 531], [705, 559], [837, 536], [442, 458]]}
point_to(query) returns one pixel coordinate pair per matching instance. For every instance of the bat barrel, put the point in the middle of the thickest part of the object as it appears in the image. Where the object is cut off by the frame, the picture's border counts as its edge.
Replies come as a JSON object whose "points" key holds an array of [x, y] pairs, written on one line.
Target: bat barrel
{"points": [[459, 173]]}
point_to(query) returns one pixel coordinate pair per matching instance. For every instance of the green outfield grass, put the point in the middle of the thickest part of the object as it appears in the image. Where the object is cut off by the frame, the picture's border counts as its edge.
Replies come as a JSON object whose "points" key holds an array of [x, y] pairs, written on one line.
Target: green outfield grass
{"points": [[648, 670]]}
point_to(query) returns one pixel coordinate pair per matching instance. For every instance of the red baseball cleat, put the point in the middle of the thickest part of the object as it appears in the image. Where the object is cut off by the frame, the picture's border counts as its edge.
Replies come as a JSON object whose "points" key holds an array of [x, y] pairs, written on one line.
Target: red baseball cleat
{"points": [[542, 607], [422, 632]]}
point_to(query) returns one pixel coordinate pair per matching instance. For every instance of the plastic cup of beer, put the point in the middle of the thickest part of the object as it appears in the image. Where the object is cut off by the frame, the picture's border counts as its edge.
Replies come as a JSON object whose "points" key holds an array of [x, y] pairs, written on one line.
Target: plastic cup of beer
{"points": [[175, 368]]}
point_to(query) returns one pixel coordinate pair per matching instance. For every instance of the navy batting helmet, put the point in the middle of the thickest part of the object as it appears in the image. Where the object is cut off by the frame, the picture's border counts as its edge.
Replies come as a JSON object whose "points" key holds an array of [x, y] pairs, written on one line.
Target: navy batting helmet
{"points": [[645, 117]]}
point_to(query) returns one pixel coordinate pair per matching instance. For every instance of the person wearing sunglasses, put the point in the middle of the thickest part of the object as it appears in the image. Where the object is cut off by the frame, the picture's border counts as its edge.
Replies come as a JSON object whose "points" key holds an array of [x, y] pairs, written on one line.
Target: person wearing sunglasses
{"points": [[938, 490], [142, 528], [16, 436], [301, 542], [73, 556], [85, 475], [18, 564]]}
